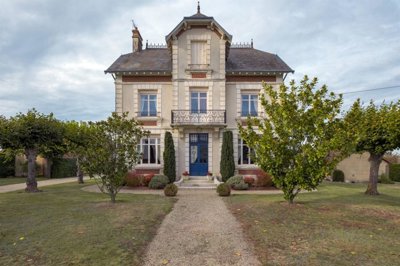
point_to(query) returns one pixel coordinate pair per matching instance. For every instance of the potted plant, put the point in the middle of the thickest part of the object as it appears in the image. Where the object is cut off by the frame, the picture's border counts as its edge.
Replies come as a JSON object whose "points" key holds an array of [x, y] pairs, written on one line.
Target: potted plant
{"points": [[185, 175], [209, 175]]}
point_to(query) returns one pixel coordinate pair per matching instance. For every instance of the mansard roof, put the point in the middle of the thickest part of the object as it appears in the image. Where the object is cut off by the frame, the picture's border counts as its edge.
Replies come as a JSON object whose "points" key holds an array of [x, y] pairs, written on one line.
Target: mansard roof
{"points": [[239, 60]]}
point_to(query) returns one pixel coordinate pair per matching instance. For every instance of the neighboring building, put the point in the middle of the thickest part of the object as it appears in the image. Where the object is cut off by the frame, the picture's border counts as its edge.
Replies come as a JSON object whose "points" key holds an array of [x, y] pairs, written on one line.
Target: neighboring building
{"points": [[356, 168], [196, 86]]}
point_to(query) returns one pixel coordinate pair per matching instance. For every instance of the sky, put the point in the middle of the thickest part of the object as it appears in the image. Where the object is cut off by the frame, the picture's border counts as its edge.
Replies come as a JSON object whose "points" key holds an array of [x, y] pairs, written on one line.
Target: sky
{"points": [[53, 53]]}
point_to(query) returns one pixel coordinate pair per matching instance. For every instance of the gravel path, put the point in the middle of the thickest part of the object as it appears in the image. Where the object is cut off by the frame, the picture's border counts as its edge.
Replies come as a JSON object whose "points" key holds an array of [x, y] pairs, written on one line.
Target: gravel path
{"points": [[200, 230]]}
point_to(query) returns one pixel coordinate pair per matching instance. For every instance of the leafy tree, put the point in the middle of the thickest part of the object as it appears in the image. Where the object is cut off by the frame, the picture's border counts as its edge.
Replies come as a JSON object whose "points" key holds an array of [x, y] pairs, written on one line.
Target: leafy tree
{"points": [[300, 140], [77, 136], [227, 163], [169, 157], [378, 131], [32, 133], [112, 151]]}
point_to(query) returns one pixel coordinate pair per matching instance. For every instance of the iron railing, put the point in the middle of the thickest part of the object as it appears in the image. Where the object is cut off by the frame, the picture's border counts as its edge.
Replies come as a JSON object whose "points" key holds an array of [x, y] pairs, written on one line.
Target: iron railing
{"points": [[206, 117]]}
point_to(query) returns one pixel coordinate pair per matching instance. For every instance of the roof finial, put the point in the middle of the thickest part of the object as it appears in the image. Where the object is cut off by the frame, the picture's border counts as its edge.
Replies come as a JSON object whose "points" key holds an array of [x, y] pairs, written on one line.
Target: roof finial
{"points": [[198, 7]]}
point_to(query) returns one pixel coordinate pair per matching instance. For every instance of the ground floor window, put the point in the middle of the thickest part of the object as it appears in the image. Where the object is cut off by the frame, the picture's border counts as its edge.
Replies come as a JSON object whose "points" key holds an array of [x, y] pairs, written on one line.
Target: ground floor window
{"points": [[150, 149], [245, 153]]}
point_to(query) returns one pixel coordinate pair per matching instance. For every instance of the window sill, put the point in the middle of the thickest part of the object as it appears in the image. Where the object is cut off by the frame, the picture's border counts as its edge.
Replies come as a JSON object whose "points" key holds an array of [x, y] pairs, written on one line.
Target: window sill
{"points": [[148, 166], [148, 118], [246, 166]]}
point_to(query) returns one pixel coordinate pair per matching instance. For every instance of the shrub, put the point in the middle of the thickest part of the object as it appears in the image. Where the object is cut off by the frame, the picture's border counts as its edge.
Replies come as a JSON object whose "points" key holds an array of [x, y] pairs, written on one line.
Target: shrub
{"points": [[147, 179], [63, 167], [224, 190], [384, 179], [170, 190], [134, 180], [241, 186], [158, 182], [6, 166], [263, 179], [234, 180], [394, 172], [249, 180], [169, 157], [337, 176], [227, 164]]}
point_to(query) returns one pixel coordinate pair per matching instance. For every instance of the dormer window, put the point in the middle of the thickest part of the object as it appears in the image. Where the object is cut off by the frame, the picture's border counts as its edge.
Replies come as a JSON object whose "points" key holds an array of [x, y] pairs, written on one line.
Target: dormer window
{"points": [[199, 53]]}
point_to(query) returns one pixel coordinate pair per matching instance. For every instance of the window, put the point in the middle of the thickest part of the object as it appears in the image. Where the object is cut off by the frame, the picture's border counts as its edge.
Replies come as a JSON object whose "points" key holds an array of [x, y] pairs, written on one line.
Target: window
{"points": [[198, 102], [150, 149], [245, 153], [199, 53], [249, 104], [148, 105]]}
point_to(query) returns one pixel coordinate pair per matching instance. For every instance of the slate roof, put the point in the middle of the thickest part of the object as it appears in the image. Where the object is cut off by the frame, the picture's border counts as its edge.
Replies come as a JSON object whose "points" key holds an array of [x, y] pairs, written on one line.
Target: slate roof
{"points": [[239, 60]]}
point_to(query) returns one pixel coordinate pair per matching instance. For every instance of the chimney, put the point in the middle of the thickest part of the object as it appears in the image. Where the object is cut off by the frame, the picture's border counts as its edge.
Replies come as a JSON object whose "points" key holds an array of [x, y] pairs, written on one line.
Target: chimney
{"points": [[136, 40]]}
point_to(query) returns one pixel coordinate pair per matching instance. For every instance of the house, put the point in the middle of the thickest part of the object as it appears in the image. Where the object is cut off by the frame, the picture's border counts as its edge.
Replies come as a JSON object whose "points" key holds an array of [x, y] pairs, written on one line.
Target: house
{"points": [[196, 86], [356, 167]]}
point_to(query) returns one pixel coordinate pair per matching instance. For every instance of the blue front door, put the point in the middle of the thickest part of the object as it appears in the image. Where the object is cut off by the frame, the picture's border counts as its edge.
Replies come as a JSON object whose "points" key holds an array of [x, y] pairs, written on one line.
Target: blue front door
{"points": [[198, 153]]}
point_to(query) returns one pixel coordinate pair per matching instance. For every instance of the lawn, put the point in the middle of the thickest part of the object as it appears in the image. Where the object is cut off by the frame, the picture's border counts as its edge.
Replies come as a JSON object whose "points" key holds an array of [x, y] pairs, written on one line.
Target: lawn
{"points": [[16, 180], [66, 226], [338, 225]]}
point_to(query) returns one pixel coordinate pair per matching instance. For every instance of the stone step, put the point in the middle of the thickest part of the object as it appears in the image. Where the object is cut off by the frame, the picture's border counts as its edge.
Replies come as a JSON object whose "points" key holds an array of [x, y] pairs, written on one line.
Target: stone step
{"points": [[197, 181]]}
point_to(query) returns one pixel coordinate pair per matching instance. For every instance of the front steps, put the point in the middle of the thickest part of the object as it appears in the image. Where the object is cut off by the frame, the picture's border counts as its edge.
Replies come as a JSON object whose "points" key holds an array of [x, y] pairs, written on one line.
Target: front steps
{"points": [[197, 182]]}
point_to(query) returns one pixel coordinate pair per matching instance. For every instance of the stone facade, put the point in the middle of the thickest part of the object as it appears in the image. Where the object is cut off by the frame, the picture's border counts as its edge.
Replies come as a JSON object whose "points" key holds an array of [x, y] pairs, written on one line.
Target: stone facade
{"points": [[169, 76]]}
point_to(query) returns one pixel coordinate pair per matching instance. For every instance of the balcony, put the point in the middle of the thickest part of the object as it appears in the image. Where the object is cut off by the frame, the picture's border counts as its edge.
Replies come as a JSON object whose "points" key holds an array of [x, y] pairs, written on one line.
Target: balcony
{"points": [[199, 118]]}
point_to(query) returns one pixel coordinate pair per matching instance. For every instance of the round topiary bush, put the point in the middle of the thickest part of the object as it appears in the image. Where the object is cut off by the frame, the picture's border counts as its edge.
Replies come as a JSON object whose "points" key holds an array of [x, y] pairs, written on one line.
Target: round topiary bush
{"points": [[337, 176], [241, 186], [224, 190], [170, 190], [234, 180], [158, 182]]}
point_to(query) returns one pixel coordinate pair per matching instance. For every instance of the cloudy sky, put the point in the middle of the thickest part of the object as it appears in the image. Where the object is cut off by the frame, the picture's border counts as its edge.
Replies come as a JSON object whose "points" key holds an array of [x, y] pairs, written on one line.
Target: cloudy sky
{"points": [[53, 53]]}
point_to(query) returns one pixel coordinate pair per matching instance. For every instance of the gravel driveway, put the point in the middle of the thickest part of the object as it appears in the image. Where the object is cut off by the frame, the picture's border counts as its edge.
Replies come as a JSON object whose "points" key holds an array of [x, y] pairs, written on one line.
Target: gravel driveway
{"points": [[200, 231]]}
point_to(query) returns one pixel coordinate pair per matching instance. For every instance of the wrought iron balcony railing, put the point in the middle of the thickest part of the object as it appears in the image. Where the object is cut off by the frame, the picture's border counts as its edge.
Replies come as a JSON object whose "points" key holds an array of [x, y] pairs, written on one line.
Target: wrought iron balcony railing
{"points": [[206, 117]]}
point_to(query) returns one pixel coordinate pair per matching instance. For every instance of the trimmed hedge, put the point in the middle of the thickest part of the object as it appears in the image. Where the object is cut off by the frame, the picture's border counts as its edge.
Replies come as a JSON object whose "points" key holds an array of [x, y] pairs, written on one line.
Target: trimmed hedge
{"points": [[63, 167], [227, 164], [169, 157], [224, 190], [6, 167], [170, 190], [158, 182], [337, 176], [394, 172]]}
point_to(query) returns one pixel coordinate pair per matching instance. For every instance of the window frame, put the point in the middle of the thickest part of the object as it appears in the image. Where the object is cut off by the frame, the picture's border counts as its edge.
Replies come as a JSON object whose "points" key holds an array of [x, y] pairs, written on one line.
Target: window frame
{"points": [[250, 99], [148, 112], [156, 147], [201, 53], [199, 99], [241, 145]]}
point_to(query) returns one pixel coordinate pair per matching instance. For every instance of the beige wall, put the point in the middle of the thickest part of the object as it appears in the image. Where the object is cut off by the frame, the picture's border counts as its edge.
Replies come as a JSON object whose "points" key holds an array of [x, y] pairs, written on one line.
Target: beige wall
{"points": [[356, 168]]}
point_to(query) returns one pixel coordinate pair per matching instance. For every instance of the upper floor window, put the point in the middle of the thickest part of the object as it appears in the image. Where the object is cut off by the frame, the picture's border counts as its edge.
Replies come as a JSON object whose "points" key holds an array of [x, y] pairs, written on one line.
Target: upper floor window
{"points": [[150, 149], [148, 105], [249, 104], [199, 52], [198, 102], [245, 153]]}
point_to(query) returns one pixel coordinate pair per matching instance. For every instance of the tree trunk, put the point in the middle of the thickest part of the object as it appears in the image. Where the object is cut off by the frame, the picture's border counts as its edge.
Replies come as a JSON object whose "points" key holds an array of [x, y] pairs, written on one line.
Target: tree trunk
{"points": [[79, 172], [374, 162], [113, 196], [47, 169], [31, 184]]}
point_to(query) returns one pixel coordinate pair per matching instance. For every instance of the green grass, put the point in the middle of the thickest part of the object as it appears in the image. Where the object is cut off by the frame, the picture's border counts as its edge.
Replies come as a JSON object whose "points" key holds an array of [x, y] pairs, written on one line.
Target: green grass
{"points": [[17, 180], [338, 225], [66, 226]]}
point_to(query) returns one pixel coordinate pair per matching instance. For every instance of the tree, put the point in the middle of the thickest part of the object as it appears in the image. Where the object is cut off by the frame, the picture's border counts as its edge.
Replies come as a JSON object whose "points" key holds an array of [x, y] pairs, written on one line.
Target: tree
{"points": [[227, 163], [378, 132], [300, 138], [32, 133], [112, 151], [169, 157], [77, 135]]}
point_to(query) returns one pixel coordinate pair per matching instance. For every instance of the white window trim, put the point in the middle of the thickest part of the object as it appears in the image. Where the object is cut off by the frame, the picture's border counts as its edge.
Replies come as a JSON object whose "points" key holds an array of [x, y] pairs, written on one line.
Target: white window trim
{"points": [[240, 153], [158, 151]]}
